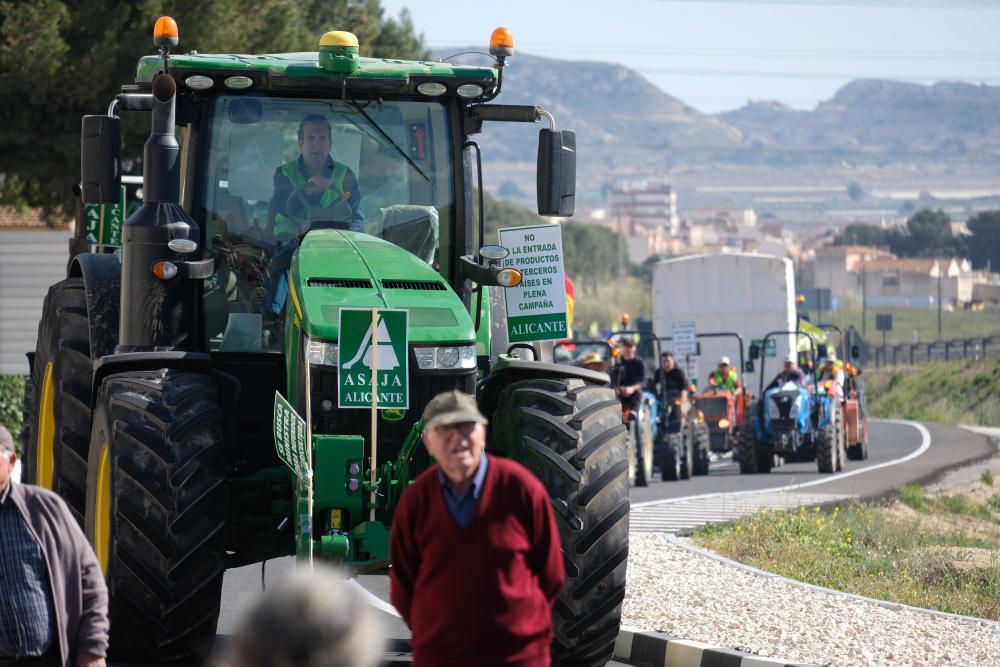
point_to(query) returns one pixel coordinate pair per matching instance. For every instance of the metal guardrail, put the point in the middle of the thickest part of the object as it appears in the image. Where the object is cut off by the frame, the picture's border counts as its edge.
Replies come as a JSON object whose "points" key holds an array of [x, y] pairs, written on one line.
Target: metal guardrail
{"points": [[938, 350]]}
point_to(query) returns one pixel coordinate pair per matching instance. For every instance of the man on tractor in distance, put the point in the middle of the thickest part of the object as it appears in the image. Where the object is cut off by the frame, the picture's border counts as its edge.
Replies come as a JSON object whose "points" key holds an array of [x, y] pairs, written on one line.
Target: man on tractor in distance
{"points": [[669, 378], [632, 377], [724, 378], [790, 373]]}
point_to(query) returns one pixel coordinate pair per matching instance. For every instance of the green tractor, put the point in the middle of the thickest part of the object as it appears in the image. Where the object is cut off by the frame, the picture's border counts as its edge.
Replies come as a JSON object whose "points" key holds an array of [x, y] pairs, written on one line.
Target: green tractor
{"points": [[152, 401]]}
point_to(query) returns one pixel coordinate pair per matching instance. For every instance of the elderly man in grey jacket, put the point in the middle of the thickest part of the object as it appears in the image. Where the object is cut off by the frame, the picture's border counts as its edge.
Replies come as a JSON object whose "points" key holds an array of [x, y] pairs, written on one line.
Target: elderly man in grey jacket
{"points": [[53, 601]]}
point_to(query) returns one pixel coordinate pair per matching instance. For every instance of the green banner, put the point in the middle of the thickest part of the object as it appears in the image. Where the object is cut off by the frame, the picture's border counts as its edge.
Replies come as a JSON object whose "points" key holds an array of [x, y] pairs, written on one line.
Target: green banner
{"points": [[290, 439], [364, 342], [530, 328], [104, 222]]}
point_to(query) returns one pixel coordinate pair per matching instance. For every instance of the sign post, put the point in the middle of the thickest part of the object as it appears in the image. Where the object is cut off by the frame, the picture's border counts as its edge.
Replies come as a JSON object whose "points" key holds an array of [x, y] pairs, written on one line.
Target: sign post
{"points": [[536, 309]]}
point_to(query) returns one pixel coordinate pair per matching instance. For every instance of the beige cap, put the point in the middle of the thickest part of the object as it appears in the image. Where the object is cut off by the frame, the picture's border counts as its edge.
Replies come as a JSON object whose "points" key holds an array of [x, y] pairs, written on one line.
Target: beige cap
{"points": [[791, 359], [453, 407], [724, 360]]}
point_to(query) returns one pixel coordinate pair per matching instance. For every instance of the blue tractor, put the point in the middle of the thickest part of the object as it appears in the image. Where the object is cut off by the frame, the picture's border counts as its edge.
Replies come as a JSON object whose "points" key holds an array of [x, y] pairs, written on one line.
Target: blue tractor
{"points": [[792, 420]]}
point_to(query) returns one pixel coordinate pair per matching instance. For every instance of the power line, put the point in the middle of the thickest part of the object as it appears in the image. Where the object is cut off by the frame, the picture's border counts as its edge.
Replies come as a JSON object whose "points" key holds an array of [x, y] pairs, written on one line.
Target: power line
{"points": [[859, 4]]}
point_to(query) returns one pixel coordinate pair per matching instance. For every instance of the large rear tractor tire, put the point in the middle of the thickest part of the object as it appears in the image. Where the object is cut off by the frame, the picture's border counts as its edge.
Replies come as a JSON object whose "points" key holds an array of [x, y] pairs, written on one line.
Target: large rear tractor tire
{"points": [[752, 457], [570, 434], [671, 457], [700, 448], [55, 449], [828, 446], [156, 509], [643, 437]]}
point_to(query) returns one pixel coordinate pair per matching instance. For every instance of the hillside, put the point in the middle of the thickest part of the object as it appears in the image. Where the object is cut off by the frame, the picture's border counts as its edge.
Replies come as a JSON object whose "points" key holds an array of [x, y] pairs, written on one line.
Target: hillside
{"points": [[885, 134], [882, 119], [957, 392]]}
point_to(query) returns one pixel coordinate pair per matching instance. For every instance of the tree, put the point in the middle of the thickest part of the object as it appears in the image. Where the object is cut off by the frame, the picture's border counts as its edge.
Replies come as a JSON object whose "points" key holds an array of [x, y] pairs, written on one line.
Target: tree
{"points": [[60, 60], [930, 234], [984, 241]]}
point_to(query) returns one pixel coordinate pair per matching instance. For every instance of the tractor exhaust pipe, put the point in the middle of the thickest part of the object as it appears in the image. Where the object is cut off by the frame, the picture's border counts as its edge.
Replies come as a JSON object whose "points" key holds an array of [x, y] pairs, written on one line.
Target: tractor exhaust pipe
{"points": [[161, 274]]}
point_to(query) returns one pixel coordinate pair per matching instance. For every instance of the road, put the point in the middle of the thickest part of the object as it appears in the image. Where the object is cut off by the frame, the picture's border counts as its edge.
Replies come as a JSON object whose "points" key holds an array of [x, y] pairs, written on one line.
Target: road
{"points": [[948, 447]]}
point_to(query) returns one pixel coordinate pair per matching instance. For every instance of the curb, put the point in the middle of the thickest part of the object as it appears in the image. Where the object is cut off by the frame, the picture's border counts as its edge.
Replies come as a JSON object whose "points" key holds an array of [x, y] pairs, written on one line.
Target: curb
{"points": [[663, 650]]}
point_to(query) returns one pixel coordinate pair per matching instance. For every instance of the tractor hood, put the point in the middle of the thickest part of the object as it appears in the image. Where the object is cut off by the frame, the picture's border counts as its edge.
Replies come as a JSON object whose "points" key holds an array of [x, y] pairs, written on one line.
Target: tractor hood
{"points": [[334, 269]]}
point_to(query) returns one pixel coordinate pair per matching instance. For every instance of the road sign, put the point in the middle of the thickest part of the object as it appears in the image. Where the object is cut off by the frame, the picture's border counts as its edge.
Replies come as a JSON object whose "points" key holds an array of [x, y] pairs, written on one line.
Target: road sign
{"points": [[883, 322], [684, 337], [770, 350], [364, 344], [536, 309], [104, 222], [290, 439]]}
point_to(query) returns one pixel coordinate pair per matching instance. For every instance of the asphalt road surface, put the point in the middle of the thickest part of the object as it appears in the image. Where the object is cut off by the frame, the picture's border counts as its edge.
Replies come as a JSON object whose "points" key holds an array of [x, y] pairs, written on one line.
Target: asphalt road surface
{"points": [[949, 447]]}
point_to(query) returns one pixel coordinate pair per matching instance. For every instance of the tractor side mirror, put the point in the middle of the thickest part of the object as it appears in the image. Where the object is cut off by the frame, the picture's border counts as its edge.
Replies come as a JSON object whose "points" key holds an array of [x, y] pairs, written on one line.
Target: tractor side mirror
{"points": [[754, 352], [556, 178], [100, 159], [821, 351], [748, 366], [855, 352]]}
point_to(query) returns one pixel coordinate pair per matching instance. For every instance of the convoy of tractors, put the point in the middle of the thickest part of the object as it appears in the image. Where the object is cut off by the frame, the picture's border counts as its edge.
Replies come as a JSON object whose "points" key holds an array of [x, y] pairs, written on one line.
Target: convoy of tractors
{"points": [[151, 400]]}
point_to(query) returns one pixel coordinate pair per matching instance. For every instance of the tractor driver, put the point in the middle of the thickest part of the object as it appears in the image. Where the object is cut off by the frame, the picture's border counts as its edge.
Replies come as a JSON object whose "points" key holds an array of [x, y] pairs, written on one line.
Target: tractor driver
{"points": [[669, 378], [790, 373], [314, 186], [724, 378], [632, 376], [833, 371]]}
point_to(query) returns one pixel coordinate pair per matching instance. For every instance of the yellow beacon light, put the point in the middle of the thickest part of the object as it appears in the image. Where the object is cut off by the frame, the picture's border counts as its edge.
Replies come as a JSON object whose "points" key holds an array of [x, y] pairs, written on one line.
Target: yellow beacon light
{"points": [[338, 52], [501, 43], [165, 32]]}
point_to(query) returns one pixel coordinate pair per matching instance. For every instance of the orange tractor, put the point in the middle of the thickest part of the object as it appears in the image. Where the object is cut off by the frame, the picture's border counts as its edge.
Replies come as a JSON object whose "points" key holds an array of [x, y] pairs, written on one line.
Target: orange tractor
{"points": [[724, 411]]}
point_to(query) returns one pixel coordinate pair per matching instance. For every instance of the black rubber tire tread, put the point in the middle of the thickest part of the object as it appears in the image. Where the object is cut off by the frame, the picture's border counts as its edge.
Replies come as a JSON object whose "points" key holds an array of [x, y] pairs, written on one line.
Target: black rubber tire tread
{"points": [[169, 498], [27, 414], [64, 339], [827, 447], [745, 455], [592, 512], [670, 461], [687, 442], [699, 457]]}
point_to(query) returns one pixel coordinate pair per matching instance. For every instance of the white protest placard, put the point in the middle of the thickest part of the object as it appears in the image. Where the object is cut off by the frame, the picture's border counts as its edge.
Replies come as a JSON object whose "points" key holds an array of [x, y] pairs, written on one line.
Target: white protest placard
{"points": [[685, 340], [290, 437], [536, 309]]}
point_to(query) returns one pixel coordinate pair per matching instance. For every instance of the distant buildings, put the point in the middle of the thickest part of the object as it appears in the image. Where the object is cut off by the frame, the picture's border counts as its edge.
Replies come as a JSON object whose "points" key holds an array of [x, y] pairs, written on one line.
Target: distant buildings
{"points": [[879, 278], [645, 213]]}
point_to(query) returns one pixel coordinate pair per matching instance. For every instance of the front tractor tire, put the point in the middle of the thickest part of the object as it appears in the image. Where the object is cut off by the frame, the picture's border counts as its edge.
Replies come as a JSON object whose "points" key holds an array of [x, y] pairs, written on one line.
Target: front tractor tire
{"points": [[753, 457], [57, 419], [156, 508], [828, 448], [570, 434], [700, 443]]}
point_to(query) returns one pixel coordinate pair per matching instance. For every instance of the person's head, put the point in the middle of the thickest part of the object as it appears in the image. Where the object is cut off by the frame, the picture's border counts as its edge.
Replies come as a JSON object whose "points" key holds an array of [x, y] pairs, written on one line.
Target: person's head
{"points": [[455, 434], [628, 348], [7, 457], [594, 361], [315, 140], [311, 619], [831, 358], [723, 365], [790, 362], [667, 361]]}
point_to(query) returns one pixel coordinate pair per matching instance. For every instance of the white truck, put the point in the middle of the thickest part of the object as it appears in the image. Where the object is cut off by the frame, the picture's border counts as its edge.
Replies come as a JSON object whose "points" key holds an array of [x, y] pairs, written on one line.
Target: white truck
{"points": [[744, 293]]}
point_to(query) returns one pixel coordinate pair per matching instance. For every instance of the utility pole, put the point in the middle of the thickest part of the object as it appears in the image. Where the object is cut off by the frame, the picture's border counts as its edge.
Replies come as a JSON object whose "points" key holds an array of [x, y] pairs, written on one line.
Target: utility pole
{"points": [[864, 298], [939, 300]]}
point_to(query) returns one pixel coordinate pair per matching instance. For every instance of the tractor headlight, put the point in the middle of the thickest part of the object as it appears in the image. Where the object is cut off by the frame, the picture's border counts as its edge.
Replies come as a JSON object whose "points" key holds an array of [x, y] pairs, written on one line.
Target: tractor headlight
{"points": [[446, 357], [321, 353]]}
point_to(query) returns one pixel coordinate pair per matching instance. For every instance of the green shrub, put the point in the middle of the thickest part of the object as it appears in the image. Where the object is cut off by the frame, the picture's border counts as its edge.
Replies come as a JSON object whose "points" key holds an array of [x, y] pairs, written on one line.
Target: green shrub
{"points": [[987, 477], [912, 495], [11, 397]]}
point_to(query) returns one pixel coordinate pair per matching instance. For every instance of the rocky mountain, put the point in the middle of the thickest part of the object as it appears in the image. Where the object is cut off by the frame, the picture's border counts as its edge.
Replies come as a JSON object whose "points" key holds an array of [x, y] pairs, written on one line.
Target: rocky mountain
{"points": [[627, 127], [883, 120]]}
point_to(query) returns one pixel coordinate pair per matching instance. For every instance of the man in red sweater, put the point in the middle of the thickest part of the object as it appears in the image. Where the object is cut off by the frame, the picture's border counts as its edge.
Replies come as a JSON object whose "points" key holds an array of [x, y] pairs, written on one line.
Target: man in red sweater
{"points": [[476, 561]]}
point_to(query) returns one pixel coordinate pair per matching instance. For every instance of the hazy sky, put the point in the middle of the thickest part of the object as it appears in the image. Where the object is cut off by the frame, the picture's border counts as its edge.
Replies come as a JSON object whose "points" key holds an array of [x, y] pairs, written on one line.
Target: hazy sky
{"points": [[717, 54]]}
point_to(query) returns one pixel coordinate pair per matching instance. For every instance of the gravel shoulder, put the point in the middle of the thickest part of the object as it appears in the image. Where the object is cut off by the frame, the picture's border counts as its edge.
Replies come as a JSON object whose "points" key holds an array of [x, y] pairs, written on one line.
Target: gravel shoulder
{"points": [[683, 593]]}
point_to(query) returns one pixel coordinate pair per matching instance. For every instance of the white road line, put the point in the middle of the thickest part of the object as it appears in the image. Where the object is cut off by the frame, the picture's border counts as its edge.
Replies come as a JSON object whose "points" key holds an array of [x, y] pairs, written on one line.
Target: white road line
{"points": [[924, 446], [674, 514]]}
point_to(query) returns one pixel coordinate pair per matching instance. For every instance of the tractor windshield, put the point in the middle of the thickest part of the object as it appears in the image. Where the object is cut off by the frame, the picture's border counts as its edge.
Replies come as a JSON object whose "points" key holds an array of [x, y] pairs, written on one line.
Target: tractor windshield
{"points": [[277, 167]]}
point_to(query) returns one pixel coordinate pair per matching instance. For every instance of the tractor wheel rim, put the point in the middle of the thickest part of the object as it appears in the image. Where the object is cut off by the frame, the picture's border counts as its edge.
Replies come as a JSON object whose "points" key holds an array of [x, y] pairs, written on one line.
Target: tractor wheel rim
{"points": [[45, 449], [102, 510]]}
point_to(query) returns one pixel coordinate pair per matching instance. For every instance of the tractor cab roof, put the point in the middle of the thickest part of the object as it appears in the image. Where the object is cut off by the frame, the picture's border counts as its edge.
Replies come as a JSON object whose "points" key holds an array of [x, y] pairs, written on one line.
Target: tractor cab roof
{"points": [[303, 72]]}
